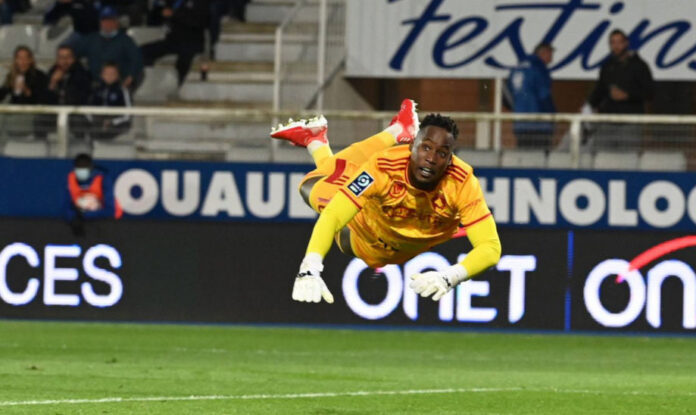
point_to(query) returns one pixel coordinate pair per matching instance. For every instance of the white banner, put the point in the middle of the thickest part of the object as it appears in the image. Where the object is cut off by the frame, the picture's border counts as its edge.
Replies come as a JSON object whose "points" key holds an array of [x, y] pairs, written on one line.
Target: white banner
{"points": [[484, 38]]}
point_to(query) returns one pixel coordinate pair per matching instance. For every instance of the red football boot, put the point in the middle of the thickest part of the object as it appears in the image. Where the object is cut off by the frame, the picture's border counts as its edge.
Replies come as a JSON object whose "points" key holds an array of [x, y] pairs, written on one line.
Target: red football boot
{"points": [[407, 119], [302, 132]]}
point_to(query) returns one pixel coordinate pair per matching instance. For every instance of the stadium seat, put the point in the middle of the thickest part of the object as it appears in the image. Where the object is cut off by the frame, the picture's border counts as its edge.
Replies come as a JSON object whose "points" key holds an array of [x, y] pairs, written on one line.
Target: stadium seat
{"points": [[479, 158], [524, 158], [159, 84], [292, 155], [662, 161], [12, 36], [26, 149], [46, 48], [564, 160], [143, 35], [110, 150], [248, 154], [616, 160], [77, 146]]}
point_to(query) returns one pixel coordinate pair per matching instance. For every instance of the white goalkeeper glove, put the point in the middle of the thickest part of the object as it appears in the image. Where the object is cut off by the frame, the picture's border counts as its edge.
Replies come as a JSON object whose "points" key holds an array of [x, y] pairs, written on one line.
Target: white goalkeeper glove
{"points": [[309, 287], [438, 283]]}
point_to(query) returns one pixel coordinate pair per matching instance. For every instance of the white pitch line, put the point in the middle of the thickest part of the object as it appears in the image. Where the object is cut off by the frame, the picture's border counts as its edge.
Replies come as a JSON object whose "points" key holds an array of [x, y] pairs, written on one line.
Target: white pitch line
{"points": [[327, 395], [254, 397]]}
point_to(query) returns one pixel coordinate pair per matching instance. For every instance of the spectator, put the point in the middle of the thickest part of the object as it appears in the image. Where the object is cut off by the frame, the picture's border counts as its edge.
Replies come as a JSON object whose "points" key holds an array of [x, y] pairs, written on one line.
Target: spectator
{"points": [[5, 12], [218, 9], [110, 93], [26, 85], [625, 84], [90, 195], [69, 82], [187, 21], [112, 44], [135, 10], [84, 15], [530, 87]]}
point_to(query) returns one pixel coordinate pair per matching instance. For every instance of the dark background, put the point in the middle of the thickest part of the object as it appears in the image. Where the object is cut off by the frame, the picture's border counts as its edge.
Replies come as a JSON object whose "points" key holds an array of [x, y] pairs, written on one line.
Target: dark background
{"points": [[243, 273]]}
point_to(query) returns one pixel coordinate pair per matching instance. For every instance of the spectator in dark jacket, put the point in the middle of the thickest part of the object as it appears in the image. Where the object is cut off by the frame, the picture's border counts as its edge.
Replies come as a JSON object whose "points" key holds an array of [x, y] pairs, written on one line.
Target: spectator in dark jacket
{"points": [[112, 44], [110, 93], [25, 85], [187, 21], [84, 15], [220, 8], [69, 82], [530, 85], [90, 194], [5, 12], [625, 85]]}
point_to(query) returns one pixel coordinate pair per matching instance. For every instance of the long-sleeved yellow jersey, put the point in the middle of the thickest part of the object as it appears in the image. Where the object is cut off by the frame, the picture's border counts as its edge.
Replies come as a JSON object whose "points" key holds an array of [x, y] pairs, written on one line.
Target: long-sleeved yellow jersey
{"points": [[393, 221]]}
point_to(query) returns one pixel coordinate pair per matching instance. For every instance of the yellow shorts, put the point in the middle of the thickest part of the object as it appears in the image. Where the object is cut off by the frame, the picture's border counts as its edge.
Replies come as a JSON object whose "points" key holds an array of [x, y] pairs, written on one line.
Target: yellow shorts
{"points": [[333, 174]]}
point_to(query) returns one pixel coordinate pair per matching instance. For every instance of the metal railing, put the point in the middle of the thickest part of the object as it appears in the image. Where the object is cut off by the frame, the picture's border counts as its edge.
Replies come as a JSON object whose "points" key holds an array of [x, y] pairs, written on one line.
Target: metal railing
{"points": [[309, 49], [210, 130]]}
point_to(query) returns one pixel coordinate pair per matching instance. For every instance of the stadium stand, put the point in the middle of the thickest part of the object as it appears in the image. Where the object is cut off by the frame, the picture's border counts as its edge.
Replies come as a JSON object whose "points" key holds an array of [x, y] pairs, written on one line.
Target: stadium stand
{"points": [[564, 160], [616, 160], [523, 159], [662, 161], [479, 158]]}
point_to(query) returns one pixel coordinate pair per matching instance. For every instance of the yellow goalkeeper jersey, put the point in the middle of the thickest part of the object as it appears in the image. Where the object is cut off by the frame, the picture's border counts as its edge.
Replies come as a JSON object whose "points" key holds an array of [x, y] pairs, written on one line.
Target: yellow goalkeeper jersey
{"points": [[398, 221]]}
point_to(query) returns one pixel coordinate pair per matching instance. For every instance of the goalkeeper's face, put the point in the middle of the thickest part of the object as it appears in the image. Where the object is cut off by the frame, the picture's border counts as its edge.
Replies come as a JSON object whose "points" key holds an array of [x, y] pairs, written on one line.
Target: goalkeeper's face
{"points": [[431, 153]]}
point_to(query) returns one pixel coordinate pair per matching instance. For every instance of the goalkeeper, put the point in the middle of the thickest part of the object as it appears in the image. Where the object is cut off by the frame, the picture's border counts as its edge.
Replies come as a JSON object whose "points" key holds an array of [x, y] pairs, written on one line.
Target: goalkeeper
{"points": [[386, 202]]}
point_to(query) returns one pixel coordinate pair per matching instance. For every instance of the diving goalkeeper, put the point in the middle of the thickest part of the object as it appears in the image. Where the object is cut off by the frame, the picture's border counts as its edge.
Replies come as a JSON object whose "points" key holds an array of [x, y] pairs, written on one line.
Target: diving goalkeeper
{"points": [[385, 202]]}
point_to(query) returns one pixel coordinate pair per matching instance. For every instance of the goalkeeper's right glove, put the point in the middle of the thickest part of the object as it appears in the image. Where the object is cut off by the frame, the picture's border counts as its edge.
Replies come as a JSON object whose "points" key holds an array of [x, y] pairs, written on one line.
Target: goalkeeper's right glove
{"points": [[309, 287]]}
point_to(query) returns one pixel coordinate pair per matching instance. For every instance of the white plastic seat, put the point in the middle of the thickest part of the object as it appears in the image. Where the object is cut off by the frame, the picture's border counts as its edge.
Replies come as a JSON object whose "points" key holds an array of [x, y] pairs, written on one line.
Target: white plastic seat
{"points": [[616, 160], [524, 158], [26, 149], [564, 160], [292, 155], [248, 154], [109, 150], [479, 158], [158, 85], [12, 36], [143, 35], [46, 48], [662, 161]]}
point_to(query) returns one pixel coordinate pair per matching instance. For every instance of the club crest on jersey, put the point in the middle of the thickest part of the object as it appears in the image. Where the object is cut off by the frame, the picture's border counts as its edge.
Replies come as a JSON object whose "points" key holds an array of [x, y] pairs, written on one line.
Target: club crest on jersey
{"points": [[361, 183]]}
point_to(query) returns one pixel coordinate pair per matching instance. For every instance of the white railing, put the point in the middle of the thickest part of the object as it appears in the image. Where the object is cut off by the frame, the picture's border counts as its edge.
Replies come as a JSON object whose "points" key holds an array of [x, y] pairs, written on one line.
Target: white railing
{"points": [[306, 59], [263, 119]]}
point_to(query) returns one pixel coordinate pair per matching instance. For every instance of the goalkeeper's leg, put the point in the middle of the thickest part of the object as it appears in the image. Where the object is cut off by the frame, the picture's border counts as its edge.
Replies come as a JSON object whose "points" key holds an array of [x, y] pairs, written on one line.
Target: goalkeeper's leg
{"points": [[320, 185]]}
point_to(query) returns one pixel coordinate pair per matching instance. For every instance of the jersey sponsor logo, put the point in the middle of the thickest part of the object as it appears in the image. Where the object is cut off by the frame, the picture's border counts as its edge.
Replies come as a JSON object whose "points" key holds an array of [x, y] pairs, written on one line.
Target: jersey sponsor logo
{"points": [[361, 183], [397, 189]]}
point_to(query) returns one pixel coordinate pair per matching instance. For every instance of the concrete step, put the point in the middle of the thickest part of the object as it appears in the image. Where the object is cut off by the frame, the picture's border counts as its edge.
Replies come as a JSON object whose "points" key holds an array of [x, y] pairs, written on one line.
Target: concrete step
{"points": [[268, 28], [252, 91], [177, 103], [275, 12], [263, 51], [248, 133]]}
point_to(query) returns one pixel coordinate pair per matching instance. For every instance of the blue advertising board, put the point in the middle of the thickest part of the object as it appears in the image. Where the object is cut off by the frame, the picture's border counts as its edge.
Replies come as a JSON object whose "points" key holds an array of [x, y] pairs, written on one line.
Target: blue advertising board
{"points": [[565, 199]]}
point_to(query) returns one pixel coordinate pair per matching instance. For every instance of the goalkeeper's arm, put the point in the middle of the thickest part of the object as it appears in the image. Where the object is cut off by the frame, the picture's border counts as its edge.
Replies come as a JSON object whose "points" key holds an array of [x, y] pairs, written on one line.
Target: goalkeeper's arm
{"points": [[485, 254], [309, 286]]}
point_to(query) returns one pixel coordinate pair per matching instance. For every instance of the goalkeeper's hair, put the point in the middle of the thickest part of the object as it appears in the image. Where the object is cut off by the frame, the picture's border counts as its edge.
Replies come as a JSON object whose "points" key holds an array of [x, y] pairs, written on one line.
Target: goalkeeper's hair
{"points": [[441, 121]]}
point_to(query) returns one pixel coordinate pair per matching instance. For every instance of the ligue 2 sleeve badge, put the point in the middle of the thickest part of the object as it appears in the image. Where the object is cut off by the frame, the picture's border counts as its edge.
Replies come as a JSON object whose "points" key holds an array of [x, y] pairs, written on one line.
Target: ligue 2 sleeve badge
{"points": [[361, 183]]}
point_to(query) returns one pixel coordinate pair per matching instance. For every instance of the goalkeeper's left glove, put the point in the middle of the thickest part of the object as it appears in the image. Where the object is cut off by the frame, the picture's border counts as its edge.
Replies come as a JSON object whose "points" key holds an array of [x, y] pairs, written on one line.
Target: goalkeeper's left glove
{"points": [[309, 287], [438, 283]]}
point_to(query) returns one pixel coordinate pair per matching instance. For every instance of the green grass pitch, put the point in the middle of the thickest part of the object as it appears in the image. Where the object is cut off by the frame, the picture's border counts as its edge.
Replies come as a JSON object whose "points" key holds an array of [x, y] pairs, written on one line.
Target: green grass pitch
{"points": [[90, 368]]}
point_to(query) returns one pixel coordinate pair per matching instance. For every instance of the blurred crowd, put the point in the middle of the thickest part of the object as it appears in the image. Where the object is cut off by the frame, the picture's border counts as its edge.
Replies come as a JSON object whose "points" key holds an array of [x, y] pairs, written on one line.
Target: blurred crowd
{"points": [[98, 63]]}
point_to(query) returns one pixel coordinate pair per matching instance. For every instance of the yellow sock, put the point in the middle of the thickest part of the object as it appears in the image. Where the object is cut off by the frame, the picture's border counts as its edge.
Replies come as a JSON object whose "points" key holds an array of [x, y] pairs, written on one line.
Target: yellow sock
{"points": [[319, 152], [361, 151]]}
